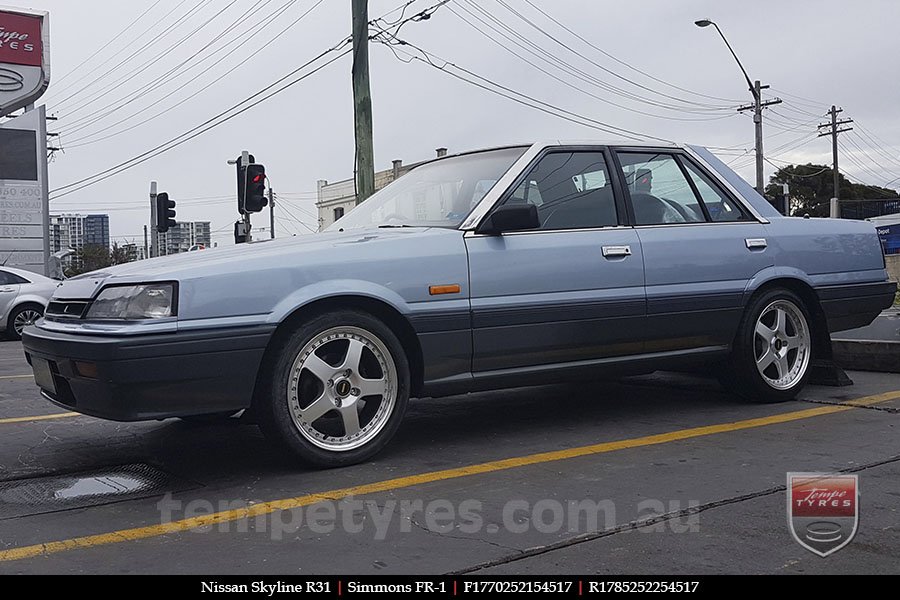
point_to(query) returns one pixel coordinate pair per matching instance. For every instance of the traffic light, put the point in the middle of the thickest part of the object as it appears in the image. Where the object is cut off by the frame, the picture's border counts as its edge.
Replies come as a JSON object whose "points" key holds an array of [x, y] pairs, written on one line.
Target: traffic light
{"points": [[255, 195], [165, 212]]}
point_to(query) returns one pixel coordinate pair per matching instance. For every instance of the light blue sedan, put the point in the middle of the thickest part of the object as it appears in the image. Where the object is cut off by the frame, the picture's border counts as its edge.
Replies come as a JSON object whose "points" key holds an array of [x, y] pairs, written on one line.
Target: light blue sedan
{"points": [[550, 262]]}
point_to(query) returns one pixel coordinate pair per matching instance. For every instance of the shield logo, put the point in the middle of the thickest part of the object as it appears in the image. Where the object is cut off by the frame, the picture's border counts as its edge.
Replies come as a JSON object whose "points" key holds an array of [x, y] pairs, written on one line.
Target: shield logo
{"points": [[823, 510]]}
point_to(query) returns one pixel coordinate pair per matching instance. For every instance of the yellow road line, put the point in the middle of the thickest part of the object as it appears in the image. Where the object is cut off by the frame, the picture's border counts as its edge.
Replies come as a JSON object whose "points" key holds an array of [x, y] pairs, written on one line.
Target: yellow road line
{"points": [[29, 376], [39, 418], [265, 508]]}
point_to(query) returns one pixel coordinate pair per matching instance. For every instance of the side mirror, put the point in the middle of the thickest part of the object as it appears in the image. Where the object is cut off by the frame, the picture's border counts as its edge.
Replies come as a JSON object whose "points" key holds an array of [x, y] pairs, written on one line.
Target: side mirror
{"points": [[510, 217]]}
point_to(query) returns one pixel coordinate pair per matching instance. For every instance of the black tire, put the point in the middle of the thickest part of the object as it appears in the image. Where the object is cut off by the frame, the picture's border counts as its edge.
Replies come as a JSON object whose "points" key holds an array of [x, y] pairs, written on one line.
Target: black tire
{"points": [[272, 403], [11, 332], [741, 374]]}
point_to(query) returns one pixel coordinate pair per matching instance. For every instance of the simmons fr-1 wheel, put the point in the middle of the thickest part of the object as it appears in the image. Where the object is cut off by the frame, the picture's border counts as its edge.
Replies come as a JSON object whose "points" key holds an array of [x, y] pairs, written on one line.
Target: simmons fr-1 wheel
{"points": [[772, 350], [337, 391]]}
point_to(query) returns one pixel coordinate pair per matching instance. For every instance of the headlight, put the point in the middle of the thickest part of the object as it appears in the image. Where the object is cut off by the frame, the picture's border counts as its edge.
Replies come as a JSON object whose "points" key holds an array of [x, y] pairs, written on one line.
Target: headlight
{"points": [[143, 301]]}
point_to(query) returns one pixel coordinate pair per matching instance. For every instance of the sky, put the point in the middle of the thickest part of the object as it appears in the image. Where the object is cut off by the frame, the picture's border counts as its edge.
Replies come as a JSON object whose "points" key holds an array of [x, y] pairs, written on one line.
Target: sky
{"points": [[127, 77]]}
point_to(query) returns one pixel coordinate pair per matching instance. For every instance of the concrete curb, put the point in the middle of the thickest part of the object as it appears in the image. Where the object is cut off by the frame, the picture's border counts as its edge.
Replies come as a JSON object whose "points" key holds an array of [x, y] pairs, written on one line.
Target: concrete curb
{"points": [[867, 355]]}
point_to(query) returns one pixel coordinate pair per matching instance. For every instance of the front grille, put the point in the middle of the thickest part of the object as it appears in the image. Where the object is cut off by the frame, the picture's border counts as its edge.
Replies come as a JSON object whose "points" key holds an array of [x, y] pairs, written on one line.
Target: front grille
{"points": [[66, 309]]}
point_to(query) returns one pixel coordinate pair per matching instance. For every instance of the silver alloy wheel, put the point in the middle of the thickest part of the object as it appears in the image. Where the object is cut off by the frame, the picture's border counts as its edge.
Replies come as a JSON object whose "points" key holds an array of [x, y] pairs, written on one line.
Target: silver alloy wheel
{"points": [[781, 344], [27, 317], [342, 388]]}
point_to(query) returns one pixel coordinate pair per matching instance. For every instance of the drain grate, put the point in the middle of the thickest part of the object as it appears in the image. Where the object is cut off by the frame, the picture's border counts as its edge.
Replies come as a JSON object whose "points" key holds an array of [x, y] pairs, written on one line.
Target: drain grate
{"points": [[51, 493]]}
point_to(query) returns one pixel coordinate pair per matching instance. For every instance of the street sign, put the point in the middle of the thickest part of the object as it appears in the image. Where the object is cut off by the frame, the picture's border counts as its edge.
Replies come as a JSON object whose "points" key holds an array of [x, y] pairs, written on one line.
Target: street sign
{"points": [[24, 57]]}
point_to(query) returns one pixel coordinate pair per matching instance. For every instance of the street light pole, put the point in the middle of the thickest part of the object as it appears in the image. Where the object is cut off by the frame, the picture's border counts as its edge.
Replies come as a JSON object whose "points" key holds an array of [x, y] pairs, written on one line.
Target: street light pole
{"points": [[757, 107]]}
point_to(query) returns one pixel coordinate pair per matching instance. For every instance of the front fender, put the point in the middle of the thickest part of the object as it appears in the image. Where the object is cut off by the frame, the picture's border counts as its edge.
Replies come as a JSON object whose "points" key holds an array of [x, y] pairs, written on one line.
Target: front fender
{"points": [[332, 288]]}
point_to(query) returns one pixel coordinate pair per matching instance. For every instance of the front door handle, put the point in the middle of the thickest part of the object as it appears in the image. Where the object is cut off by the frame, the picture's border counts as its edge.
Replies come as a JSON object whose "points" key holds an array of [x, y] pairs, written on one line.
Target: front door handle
{"points": [[756, 243], [616, 251]]}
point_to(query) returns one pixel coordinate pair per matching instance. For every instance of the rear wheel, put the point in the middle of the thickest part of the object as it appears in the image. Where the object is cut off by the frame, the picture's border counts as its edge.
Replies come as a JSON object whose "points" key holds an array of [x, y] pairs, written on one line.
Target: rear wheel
{"points": [[337, 390], [772, 350], [21, 317]]}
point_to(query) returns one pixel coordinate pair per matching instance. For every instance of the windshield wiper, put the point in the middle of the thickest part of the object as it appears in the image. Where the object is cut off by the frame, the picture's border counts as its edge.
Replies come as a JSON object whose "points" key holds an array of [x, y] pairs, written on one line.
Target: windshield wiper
{"points": [[393, 226]]}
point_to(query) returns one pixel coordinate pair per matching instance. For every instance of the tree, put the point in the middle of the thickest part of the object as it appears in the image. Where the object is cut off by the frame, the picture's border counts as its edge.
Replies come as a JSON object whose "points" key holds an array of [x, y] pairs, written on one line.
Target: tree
{"points": [[811, 188], [94, 256]]}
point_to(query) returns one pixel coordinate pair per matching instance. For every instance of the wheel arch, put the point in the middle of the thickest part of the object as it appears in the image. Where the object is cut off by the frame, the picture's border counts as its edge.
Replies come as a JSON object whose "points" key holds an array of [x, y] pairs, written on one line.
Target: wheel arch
{"points": [[378, 308], [799, 284]]}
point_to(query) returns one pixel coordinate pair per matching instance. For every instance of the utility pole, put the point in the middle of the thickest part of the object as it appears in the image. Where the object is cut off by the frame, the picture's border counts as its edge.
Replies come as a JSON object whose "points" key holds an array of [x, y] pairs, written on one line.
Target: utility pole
{"points": [[362, 102], [146, 246], [154, 239], [271, 213], [757, 108], [833, 129]]}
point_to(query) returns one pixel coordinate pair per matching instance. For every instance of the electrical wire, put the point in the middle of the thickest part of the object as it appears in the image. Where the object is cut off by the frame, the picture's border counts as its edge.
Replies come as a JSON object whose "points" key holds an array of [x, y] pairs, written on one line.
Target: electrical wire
{"points": [[86, 139], [198, 130], [169, 77], [511, 94], [59, 80]]}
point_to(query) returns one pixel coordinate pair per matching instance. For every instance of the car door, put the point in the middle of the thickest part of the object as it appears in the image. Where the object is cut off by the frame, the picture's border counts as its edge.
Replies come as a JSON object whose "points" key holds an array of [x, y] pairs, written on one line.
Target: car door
{"points": [[569, 291], [9, 289], [701, 248]]}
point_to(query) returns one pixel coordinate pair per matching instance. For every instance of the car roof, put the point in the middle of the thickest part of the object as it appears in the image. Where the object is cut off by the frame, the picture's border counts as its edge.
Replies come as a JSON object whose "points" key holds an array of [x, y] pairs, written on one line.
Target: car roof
{"points": [[561, 143]]}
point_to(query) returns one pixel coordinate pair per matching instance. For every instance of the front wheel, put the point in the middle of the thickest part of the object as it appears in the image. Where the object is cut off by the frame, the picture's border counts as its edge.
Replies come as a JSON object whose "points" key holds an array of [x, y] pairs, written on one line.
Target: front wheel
{"points": [[337, 390], [772, 350]]}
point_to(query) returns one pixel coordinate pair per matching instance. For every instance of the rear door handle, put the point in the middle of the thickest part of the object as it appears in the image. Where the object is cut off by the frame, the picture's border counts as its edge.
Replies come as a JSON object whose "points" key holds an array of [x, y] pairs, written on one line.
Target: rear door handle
{"points": [[756, 243], [7, 289], [616, 251]]}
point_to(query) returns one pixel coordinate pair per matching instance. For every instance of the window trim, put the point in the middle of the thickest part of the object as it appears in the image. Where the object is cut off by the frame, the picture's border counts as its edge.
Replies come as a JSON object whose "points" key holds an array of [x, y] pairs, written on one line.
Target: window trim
{"points": [[608, 156], [679, 155]]}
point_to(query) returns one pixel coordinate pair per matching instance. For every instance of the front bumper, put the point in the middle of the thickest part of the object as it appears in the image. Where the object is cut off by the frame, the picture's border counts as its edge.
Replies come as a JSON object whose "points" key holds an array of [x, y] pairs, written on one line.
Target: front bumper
{"points": [[156, 376]]}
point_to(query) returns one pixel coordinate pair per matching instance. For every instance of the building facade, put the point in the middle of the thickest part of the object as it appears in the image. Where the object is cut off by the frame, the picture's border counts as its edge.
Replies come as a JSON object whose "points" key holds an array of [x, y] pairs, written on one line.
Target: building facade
{"points": [[334, 200], [184, 236], [74, 231]]}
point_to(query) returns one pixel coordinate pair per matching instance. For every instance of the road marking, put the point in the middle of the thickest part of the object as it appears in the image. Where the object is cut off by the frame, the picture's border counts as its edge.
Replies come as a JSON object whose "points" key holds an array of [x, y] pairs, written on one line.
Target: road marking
{"points": [[29, 376], [272, 506], [39, 418]]}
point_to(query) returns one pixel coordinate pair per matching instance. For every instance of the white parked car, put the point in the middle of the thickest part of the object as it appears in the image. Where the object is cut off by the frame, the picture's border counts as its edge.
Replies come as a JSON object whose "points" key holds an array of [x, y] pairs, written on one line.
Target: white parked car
{"points": [[23, 297]]}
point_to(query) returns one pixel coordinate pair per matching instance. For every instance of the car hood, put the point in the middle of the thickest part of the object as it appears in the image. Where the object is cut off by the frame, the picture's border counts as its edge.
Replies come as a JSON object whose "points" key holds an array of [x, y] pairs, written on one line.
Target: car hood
{"points": [[353, 247]]}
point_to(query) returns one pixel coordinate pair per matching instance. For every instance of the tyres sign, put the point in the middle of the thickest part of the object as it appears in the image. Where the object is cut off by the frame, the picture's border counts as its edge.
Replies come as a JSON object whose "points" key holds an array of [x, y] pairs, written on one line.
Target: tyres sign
{"points": [[24, 57]]}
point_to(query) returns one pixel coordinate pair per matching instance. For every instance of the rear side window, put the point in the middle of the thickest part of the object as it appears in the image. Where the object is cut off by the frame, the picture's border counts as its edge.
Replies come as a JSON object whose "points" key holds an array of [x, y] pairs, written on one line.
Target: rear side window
{"points": [[666, 188], [7, 278], [660, 193], [571, 190], [719, 206]]}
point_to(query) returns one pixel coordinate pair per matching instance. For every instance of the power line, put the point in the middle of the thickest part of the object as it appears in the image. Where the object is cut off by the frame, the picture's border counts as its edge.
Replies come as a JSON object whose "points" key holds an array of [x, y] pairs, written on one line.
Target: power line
{"points": [[178, 23], [581, 55], [107, 44], [210, 123], [622, 62], [542, 54], [170, 76], [511, 94], [85, 140]]}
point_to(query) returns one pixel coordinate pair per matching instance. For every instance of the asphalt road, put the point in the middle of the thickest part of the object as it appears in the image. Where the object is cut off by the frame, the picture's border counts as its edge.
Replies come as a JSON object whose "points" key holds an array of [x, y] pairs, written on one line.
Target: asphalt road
{"points": [[656, 474]]}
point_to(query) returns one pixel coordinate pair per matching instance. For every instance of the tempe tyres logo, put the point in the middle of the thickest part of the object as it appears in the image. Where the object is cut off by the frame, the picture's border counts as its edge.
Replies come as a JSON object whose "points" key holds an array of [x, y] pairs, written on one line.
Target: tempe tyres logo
{"points": [[823, 510]]}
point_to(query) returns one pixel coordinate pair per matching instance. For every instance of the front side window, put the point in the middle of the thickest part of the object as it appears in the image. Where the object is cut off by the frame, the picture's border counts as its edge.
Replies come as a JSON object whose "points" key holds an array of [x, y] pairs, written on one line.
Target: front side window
{"points": [[659, 191], [571, 190]]}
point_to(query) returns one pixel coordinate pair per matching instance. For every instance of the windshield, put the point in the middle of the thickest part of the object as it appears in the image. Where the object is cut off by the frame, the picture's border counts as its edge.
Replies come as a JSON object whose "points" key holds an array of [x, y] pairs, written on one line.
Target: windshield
{"points": [[437, 194]]}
